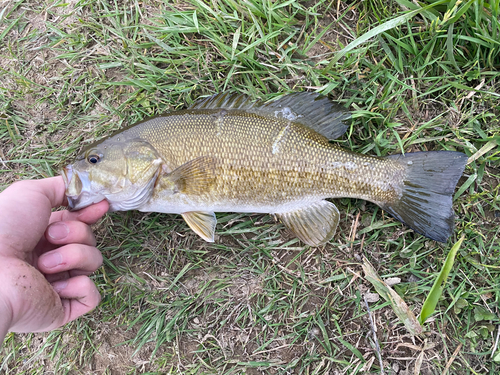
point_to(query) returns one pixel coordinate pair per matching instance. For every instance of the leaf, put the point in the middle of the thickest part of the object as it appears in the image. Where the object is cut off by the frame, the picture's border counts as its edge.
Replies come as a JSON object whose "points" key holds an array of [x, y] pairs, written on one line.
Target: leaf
{"points": [[437, 289], [470, 335], [398, 304], [480, 313], [186, 268]]}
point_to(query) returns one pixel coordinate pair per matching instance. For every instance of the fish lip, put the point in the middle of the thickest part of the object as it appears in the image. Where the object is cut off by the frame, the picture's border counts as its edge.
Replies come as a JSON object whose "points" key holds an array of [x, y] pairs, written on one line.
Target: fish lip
{"points": [[72, 202], [67, 175], [85, 197], [82, 200]]}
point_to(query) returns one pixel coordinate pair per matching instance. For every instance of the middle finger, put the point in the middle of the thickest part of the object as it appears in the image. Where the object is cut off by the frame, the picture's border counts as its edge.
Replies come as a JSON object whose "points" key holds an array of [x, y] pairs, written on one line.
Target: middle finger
{"points": [[67, 232], [70, 257]]}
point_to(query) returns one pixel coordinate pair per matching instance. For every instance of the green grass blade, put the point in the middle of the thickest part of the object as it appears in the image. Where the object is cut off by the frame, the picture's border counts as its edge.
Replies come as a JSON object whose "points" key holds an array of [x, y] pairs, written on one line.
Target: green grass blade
{"points": [[438, 287], [465, 185], [391, 24]]}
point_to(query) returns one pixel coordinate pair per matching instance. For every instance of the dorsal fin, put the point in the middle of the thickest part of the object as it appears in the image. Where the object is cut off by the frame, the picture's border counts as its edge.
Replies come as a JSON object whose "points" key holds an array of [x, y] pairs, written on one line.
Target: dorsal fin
{"points": [[310, 109], [225, 100]]}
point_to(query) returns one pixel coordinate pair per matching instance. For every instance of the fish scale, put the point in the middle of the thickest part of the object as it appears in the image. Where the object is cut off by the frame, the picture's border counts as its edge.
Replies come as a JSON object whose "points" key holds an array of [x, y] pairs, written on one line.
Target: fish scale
{"points": [[227, 153]]}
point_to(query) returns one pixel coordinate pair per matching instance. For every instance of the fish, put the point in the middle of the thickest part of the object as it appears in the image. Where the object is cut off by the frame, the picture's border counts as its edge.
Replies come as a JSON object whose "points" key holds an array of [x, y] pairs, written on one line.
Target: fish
{"points": [[228, 153]]}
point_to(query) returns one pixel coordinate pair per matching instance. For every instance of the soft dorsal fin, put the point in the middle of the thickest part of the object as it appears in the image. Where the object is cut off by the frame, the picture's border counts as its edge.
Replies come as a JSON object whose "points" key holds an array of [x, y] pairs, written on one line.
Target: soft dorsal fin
{"points": [[194, 177], [314, 224], [310, 109]]}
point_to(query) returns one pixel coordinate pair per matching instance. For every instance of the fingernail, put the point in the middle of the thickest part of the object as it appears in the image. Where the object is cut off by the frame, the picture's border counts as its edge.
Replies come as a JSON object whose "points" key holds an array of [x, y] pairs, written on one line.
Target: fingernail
{"points": [[51, 260], [58, 231], [60, 285]]}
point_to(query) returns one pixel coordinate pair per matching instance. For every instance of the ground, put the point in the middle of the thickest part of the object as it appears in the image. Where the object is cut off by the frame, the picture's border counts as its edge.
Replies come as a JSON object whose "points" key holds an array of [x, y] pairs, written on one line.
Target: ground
{"points": [[257, 301]]}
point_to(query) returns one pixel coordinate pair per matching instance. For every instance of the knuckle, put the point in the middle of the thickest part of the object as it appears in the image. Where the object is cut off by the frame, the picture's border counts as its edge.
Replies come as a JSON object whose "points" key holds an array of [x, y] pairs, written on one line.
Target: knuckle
{"points": [[65, 215], [80, 233]]}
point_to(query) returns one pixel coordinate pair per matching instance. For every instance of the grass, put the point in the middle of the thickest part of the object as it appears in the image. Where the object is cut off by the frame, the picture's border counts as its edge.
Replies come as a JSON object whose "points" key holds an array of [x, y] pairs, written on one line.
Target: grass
{"points": [[258, 301]]}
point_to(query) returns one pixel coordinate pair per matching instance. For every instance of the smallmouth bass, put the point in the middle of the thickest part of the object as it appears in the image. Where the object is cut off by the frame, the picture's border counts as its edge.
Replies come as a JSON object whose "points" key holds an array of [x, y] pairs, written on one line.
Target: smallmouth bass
{"points": [[226, 153]]}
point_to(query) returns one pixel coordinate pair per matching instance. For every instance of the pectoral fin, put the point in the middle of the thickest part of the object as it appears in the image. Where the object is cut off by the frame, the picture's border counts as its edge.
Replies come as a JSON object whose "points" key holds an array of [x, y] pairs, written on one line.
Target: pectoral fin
{"points": [[314, 224], [202, 223], [195, 176]]}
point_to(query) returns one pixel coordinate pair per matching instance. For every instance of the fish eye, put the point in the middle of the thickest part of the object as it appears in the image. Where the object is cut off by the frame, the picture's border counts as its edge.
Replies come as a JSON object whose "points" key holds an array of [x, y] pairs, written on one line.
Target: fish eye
{"points": [[93, 159]]}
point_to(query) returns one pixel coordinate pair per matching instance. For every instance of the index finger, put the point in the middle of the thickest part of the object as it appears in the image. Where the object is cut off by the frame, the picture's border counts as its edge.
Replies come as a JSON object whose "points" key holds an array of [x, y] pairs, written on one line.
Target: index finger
{"points": [[87, 215]]}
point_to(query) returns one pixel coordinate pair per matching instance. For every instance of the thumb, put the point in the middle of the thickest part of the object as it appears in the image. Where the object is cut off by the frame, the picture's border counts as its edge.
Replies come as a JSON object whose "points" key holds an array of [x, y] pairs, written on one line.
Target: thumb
{"points": [[27, 205]]}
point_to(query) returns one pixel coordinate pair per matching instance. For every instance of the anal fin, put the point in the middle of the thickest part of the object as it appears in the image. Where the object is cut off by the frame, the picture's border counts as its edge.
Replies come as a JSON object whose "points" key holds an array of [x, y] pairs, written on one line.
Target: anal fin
{"points": [[202, 223], [314, 224]]}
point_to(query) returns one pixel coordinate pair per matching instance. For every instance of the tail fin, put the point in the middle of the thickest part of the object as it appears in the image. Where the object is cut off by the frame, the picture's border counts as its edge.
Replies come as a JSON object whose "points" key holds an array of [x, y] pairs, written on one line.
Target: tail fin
{"points": [[426, 201]]}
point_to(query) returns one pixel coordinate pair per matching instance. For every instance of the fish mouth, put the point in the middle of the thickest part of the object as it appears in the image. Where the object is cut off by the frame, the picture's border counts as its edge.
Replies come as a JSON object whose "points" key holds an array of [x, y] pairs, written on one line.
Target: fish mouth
{"points": [[78, 189], [67, 175]]}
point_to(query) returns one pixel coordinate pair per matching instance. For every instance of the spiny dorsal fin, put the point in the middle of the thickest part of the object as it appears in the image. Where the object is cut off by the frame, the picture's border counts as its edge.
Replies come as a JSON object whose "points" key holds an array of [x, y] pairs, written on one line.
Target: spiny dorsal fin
{"points": [[225, 100], [195, 176], [315, 224], [202, 223], [310, 109]]}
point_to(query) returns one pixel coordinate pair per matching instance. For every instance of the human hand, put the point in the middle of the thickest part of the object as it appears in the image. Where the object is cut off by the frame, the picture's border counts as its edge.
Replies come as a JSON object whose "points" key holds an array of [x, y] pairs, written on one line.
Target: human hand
{"points": [[45, 257]]}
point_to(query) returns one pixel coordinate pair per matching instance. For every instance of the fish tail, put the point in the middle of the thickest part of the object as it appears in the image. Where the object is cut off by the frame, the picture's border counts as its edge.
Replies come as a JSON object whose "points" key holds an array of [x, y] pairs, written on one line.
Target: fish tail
{"points": [[425, 204]]}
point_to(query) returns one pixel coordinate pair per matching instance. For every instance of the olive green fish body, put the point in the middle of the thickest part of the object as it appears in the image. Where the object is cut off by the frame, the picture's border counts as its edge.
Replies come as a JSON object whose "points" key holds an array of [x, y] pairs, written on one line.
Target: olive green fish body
{"points": [[228, 154], [260, 165]]}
